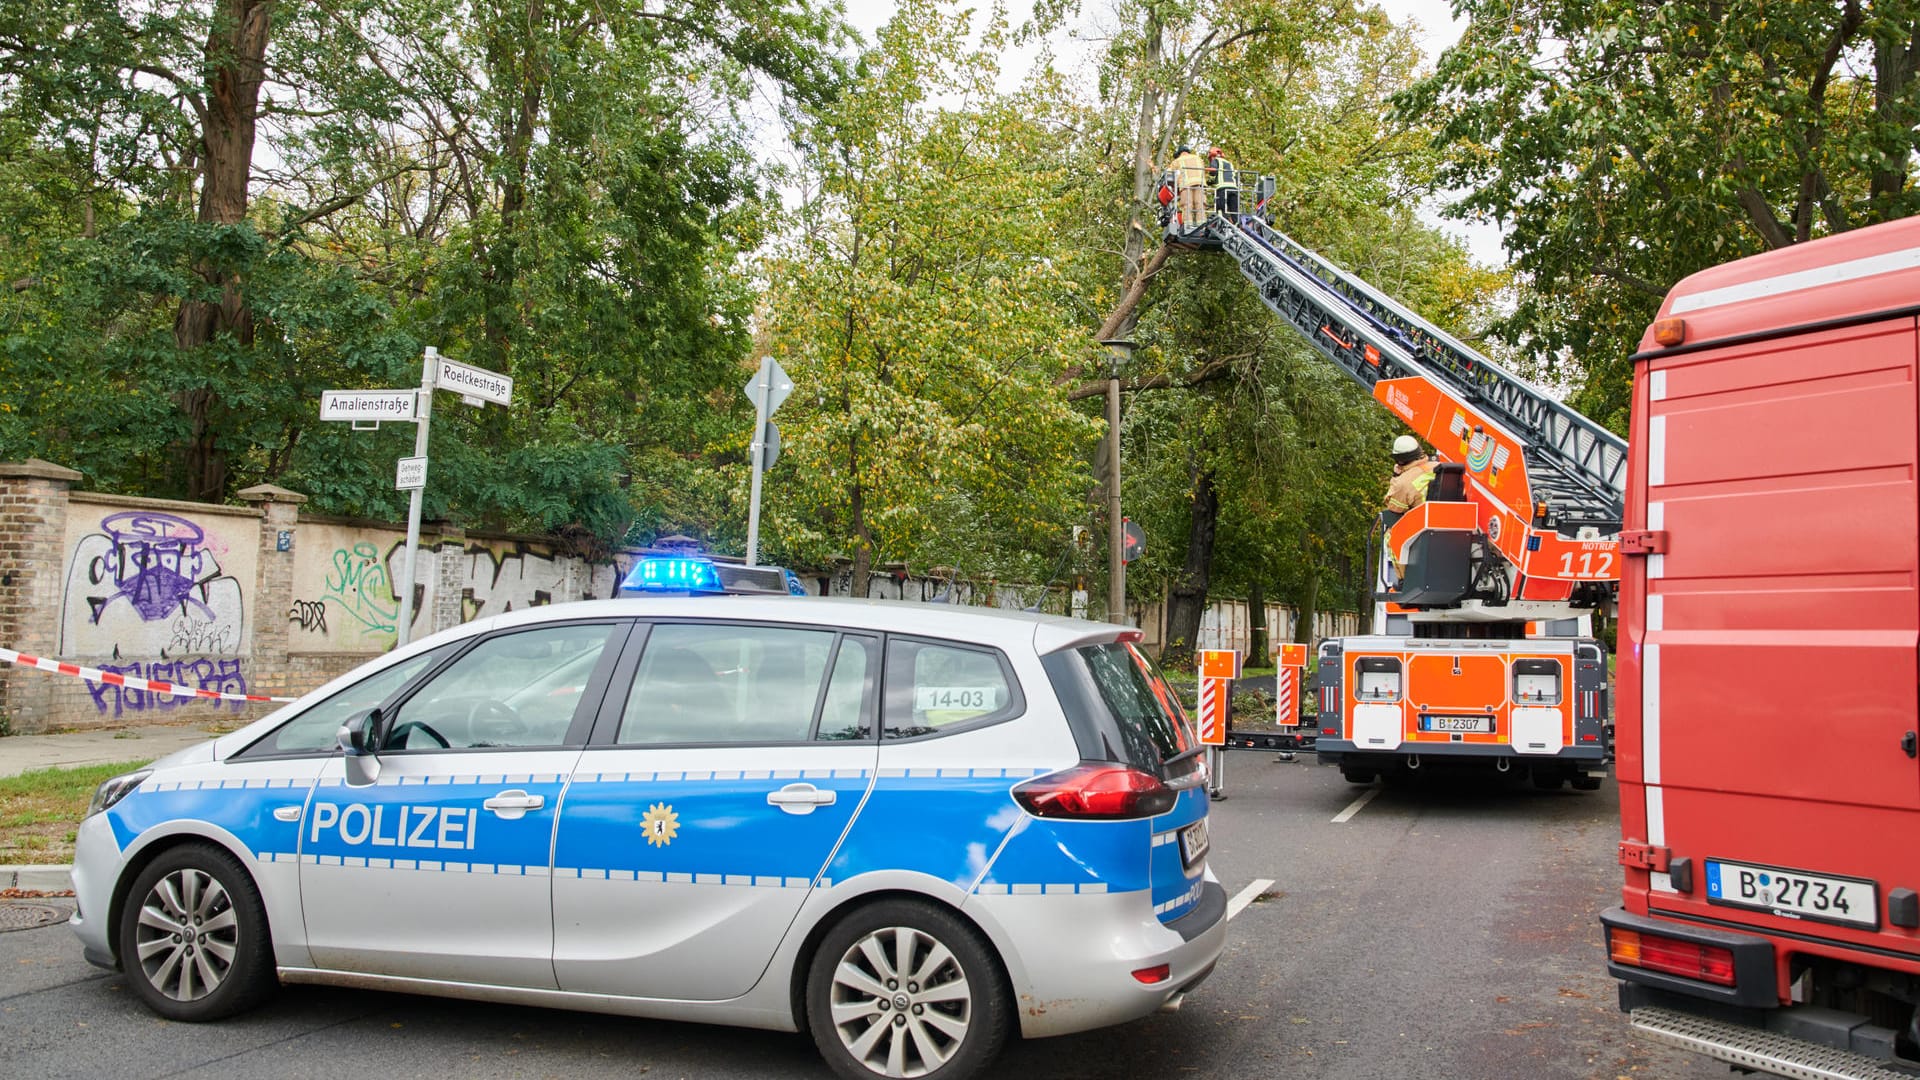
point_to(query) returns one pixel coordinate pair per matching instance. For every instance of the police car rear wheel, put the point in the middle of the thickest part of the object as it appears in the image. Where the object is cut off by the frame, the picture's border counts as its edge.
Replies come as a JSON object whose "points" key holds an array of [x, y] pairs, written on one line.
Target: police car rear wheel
{"points": [[193, 936], [905, 989]]}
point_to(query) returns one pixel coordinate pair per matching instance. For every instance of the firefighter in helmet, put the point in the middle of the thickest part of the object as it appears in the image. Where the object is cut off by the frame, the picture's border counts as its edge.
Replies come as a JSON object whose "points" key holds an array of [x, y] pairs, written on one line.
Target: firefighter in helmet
{"points": [[1412, 474], [1190, 181]]}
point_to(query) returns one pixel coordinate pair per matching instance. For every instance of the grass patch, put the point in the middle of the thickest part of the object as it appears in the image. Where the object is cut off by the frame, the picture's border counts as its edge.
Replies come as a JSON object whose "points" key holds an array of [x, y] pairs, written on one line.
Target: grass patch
{"points": [[40, 810]]}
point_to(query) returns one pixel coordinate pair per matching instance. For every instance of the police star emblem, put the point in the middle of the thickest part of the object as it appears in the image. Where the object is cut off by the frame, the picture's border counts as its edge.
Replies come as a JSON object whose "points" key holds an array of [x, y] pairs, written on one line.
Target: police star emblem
{"points": [[661, 824]]}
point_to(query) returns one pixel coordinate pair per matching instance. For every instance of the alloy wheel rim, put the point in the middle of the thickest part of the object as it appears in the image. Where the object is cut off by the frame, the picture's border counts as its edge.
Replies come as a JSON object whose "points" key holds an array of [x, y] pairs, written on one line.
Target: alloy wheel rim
{"points": [[188, 935], [900, 1002]]}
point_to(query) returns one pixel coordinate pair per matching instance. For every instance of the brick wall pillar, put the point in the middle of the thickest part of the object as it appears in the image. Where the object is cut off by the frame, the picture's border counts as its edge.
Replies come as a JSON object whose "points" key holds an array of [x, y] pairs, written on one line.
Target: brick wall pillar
{"points": [[33, 529], [449, 567], [270, 669]]}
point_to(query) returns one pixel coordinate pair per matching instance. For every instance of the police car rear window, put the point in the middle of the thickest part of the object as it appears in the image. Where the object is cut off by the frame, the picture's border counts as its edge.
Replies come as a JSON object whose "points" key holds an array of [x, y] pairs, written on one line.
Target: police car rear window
{"points": [[1120, 707]]}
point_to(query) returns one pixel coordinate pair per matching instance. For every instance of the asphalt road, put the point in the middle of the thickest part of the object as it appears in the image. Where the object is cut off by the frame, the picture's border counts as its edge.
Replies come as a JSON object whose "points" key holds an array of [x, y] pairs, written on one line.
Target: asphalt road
{"points": [[1442, 931]]}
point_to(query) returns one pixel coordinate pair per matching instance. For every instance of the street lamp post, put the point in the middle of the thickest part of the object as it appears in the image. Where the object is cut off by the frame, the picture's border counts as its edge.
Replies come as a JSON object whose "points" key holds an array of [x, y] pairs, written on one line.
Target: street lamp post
{"points": [[1122, 351]]}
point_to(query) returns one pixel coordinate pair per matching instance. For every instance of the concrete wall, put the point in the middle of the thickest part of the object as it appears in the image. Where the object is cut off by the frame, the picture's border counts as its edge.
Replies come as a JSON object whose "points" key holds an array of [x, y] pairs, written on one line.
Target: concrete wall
{"points": [[260, 600]]}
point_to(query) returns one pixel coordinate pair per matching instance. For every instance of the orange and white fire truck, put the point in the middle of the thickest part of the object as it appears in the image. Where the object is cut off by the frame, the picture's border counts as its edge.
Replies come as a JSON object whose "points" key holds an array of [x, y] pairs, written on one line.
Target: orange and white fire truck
{"points": [[1481, 652], [1769, 708]]}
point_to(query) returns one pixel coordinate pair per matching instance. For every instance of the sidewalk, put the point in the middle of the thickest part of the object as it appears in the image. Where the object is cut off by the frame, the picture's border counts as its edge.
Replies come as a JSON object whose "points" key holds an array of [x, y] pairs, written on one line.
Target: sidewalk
{"points": [[18, 753]]}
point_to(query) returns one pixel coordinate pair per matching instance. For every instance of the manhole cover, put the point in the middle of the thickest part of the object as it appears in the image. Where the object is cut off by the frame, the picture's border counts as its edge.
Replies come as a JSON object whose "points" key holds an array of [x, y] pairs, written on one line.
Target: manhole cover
{"points": [[28, 916]]}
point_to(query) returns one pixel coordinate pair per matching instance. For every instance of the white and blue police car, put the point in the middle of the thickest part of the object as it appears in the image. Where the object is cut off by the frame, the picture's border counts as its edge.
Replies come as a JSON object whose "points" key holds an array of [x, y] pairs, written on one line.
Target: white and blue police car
{"points": [[908, 829]]}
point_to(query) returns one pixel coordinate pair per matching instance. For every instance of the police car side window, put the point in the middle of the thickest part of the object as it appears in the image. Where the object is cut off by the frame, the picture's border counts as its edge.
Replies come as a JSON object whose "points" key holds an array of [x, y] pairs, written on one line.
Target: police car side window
{"points": [[932, 687], [318, 727], [846, 712], [726, 683], [518, 689]]}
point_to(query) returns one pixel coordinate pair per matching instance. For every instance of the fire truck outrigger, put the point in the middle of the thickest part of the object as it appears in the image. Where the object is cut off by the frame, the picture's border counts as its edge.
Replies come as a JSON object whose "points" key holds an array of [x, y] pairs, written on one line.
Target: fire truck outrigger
{"points": [[1481, 652], [1769, 720]]}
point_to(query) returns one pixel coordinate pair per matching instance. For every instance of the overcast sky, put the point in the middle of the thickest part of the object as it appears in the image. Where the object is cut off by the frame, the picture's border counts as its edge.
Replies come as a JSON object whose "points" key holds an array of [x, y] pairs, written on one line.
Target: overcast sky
{"points": [[1434, 16]]}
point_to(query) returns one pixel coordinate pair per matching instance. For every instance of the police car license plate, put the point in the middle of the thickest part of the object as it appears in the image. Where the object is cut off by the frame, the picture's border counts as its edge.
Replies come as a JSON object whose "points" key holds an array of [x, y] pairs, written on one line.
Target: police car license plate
{"points": [[1793, 893], [1193, 842], [1482, 724]]}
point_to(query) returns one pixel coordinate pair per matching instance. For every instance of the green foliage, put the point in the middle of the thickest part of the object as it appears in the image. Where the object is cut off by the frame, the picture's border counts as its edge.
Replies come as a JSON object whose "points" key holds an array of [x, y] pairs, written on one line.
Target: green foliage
{"points": [[1626, 145]]}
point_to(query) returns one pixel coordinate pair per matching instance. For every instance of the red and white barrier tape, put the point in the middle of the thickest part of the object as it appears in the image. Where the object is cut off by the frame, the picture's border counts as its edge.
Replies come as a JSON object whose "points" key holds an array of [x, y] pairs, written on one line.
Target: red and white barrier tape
{"points": [[131, 682]]}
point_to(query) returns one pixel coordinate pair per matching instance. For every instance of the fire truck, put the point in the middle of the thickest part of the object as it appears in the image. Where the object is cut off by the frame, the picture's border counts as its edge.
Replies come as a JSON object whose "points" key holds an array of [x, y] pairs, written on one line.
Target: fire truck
{"points": [[1481, 652], [1768, 721]]}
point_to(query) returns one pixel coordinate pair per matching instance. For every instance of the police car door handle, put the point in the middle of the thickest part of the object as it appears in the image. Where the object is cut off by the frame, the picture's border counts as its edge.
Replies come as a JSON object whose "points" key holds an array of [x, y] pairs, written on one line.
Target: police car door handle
{"points": [[286, 813], [800, 798], [515, 803]]}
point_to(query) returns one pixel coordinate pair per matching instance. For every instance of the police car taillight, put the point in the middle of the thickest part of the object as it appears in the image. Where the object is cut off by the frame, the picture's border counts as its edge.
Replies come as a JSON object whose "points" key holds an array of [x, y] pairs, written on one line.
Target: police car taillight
{"points": [[1095, 791]]}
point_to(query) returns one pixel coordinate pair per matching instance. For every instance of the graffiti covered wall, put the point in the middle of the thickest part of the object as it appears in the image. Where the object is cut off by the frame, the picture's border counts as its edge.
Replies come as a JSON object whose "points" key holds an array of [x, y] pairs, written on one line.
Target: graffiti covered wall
{"points": [[346, 592], [145, 582]]}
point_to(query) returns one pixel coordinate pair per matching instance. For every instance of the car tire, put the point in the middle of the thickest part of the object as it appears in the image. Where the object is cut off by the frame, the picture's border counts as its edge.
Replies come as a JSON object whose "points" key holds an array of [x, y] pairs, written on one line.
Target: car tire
{"points": [[193, 936], [957, 1013], [1357, 776]]}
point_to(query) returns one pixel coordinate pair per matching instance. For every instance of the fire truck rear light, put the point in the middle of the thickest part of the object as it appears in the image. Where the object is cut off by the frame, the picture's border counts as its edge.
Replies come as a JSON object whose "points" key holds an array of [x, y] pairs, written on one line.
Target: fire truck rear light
{"points": [[1670, 331], [1156, 974], [1670, 956], [1589, 738], [1329, 731]]}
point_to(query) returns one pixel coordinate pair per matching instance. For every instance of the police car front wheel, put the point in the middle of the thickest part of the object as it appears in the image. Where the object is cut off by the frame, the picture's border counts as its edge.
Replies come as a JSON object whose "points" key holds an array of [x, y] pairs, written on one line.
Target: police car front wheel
{"points": [[902, 988], [193, 936]]}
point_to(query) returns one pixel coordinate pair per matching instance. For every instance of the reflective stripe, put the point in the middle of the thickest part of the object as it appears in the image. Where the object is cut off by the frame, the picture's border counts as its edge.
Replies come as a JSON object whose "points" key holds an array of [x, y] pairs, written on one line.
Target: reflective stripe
{"points": [[1799, 280]]}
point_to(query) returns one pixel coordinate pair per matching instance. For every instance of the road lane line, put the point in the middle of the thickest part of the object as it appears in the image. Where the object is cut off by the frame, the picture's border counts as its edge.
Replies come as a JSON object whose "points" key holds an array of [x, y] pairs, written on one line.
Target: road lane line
{"points": [[1245, 896], [1354, 807]]}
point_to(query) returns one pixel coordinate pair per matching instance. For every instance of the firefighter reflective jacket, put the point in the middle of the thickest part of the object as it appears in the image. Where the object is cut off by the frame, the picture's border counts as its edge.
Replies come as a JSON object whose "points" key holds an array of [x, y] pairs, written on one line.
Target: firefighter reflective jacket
{"points": [[1189, 170], [1408, 488]]}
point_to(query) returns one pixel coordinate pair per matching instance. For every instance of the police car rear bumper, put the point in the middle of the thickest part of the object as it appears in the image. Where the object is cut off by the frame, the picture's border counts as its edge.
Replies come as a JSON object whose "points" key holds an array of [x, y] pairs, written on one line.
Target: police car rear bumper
{"points": [[1080, 953], [96, 865]]}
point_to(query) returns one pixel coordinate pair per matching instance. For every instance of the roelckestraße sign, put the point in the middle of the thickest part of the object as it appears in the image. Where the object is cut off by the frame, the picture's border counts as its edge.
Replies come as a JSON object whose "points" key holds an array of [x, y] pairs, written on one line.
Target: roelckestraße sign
{"points": [[367, 404], [474, 384]]}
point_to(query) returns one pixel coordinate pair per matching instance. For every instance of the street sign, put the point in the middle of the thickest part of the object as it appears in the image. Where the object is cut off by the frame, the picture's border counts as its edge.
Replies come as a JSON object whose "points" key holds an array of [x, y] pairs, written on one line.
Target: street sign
{"points": [[778, 388], [1219, 663], [1133, 543], [474, 385], [410, 474], [367, 404]]}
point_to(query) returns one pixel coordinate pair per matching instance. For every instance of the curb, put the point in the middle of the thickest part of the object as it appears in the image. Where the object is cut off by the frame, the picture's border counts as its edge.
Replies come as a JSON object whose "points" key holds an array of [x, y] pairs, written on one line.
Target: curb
{"points": [[37, 878]]}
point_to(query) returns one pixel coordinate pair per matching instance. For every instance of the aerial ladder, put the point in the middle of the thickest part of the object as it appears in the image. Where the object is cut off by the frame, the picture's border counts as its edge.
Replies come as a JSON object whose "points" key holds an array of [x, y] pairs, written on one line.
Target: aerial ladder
{"points": [[1480, 652]]}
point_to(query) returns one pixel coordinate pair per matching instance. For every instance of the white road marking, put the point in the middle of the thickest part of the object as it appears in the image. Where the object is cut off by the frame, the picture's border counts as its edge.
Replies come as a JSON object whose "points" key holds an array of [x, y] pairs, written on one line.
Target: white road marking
{"points": [[1245, 896], [1354, 807]]}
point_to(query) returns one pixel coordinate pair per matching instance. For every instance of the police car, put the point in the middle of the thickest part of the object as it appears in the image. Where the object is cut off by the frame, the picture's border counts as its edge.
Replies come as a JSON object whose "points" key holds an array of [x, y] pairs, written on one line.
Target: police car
{"points": [[910, 830]]}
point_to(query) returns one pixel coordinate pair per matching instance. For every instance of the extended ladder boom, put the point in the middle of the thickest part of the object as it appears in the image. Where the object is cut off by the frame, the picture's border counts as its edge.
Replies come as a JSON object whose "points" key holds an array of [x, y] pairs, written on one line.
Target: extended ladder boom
{"points": [[1573, 465]]}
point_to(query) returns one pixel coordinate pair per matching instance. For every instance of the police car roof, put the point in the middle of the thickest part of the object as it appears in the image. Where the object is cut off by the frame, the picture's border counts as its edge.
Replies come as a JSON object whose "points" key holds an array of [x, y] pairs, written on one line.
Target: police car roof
{"points": [[985, 625]]}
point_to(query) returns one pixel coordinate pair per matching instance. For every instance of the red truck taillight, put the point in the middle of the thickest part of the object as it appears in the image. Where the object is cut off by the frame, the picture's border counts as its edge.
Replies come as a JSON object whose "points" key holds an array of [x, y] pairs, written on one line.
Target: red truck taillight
{"points": [[1671, 956]]}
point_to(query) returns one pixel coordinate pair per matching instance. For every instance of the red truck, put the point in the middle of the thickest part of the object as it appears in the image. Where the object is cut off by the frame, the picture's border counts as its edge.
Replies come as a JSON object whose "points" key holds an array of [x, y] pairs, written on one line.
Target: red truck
{"points": [[1768, 698]]}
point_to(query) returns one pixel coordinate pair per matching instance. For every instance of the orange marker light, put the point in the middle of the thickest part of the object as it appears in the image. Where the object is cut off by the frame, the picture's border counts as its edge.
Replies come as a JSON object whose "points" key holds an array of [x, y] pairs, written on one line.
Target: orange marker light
{"points": [[1670, 331]]}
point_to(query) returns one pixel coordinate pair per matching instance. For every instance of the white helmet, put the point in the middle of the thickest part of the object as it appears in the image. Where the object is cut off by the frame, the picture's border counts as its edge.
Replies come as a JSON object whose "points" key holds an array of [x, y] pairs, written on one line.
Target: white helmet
{"points": [[1406, 444]]}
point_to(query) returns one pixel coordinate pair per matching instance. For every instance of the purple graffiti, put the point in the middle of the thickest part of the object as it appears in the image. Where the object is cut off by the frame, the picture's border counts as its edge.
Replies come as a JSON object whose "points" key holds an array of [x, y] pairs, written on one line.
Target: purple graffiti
{"points": [[223, 676], [155, 562]]}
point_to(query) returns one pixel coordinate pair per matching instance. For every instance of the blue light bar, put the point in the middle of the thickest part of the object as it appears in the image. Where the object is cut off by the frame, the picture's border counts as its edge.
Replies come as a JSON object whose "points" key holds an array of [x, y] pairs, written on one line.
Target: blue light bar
{"points": [[672, 575]]}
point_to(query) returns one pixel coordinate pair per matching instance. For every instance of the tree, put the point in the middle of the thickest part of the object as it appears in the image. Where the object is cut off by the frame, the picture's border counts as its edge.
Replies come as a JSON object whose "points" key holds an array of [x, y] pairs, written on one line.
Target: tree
{"points": [[924, 313], [1625, 145]]}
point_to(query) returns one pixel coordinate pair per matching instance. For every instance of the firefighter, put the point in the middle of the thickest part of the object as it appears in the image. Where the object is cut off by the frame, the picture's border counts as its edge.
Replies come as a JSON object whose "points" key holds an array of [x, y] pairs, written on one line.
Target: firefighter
{"points": [[1223, 183], [1412, 473], [1190, 180]]}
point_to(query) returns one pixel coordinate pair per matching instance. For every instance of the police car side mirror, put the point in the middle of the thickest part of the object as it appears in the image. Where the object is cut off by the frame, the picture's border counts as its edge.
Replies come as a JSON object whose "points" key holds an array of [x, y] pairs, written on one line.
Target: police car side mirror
{"points": [[355, 739]]}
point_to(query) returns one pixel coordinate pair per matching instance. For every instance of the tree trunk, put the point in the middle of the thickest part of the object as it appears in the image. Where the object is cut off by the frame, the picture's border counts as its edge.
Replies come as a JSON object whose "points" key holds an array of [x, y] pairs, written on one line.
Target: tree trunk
{"points": [[1309, 609], [1136, 243], [236, 66], [1257, 620], [1188, 598], [1895, 58], [862, 537]]}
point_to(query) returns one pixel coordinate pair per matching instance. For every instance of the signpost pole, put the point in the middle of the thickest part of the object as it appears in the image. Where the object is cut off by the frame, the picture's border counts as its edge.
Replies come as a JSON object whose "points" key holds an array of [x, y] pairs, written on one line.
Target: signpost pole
{"points": [[428, 362], [1122, 351], [762, 385]]}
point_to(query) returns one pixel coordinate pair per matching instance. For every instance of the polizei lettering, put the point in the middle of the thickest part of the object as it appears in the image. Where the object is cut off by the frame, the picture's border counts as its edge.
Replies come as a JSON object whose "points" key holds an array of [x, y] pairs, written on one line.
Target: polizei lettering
{"points": [[438, 827]]}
